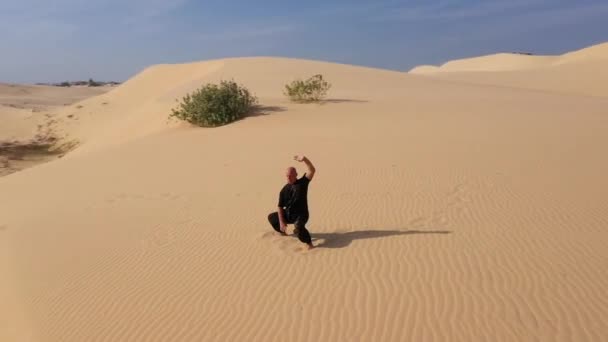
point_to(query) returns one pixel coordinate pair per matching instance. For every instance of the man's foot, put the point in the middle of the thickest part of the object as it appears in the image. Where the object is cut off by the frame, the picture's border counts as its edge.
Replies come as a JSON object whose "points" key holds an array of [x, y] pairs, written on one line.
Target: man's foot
{"points": [[283, 231], [310, 246]]}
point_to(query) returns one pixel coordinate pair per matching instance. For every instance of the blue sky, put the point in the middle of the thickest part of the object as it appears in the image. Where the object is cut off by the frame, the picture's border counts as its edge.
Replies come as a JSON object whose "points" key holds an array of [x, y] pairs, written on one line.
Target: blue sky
{"points": [[51, 41]]}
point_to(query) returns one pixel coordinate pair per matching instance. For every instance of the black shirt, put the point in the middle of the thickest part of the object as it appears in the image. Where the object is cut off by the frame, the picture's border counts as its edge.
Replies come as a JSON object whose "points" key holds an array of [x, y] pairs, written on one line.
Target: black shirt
{"points": [[294, 197]]}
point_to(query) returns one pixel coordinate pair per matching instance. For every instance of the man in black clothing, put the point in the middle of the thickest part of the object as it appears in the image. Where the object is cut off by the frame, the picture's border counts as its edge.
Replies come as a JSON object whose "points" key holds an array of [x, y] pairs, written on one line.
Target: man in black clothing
{"points": [[293, 203]]}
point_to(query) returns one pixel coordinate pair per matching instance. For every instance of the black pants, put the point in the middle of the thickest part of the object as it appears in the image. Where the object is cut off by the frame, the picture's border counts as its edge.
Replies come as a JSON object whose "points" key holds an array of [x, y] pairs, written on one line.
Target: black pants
{"points": [[299, 221]]}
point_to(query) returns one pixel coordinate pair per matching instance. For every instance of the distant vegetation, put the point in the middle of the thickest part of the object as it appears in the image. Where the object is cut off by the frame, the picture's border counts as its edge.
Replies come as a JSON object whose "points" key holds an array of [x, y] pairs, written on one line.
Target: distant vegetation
{"points": [[89, 83], [522, 53], [215, 105], [311, 90]]}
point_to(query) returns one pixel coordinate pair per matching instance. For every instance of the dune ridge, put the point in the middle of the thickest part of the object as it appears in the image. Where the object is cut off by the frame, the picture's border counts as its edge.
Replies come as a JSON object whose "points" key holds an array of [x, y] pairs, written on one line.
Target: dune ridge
{"points": [[581, 72], [514, 61]]}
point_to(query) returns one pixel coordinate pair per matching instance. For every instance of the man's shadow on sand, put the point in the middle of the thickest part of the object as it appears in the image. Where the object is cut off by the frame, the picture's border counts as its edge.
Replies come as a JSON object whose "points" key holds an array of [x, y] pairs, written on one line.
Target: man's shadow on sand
{"points": [[341, 240]]}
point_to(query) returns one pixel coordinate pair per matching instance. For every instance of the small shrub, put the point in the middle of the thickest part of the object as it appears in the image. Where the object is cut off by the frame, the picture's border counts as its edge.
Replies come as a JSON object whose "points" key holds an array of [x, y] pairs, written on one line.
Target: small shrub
{"points": [[215, 105], [311, 90]]}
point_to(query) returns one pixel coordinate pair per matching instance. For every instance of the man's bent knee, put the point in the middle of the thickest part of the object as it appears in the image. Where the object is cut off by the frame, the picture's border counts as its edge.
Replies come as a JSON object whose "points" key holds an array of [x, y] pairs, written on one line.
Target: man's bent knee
{"points": [[273, 219]]}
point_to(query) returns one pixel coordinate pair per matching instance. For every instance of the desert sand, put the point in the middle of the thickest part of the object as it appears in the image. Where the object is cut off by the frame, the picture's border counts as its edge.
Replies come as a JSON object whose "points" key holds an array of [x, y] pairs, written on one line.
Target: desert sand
{"points": [[27, 122], [442, 209], [581, 72]]}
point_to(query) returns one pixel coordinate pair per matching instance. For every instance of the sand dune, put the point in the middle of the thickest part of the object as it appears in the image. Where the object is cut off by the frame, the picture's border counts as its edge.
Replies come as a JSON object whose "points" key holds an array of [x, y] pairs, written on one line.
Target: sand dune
{"points": [[582, 72], [442, 211], [497, 62], [424, 69], [149, 96], [597, 52], [513, 62], [588, 78]]}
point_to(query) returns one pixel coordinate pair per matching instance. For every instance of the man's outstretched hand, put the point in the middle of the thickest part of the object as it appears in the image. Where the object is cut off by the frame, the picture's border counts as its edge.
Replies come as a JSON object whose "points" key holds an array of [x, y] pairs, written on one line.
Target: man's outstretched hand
{"points": [[311, 168]]}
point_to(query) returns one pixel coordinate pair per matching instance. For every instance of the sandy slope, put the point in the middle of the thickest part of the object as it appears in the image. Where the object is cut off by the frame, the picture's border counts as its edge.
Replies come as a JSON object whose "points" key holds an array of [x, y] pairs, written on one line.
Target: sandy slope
{"points": [[582, 72], [27, 121], [496, 62], [512, 62], [41, 97], [23, 107], [441, 211], [585, 78], [595, 52]]}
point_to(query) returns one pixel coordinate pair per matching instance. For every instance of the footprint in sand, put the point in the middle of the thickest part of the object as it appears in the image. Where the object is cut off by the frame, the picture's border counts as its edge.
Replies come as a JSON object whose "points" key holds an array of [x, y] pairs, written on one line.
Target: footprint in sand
{"points": [[459, 195], [418, 222], [170, 196], [461, 199], [457, 200], [284, 244]]}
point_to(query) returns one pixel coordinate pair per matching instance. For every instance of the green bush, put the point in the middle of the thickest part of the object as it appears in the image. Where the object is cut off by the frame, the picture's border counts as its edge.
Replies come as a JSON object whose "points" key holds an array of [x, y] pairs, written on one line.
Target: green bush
{"points": [[311, 90], [215, 105]]}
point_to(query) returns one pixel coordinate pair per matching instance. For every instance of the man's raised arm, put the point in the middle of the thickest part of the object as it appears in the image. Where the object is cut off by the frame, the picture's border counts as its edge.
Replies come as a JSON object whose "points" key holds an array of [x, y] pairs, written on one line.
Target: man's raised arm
{"points": [[311, 168]]}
